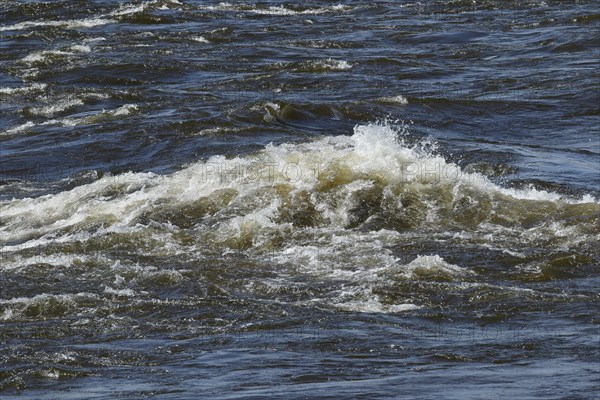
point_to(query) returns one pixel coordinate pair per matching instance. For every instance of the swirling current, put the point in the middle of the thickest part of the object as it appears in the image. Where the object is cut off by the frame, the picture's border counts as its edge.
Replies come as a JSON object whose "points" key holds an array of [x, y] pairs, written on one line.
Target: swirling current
{"points": [[393, 199]]}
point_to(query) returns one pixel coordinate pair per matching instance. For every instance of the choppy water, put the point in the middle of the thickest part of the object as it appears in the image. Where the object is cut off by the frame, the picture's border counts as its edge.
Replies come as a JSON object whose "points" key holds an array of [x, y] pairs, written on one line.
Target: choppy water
{"points": [[300, 200]]}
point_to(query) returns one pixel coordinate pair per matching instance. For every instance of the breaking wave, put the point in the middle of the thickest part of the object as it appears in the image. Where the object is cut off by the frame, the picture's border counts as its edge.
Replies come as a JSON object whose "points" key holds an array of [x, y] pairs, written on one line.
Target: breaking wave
{"points": [[334, 208]]}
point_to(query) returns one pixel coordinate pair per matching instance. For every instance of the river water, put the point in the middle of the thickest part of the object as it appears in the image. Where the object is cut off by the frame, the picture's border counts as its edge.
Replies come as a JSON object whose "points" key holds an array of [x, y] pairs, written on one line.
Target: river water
{"points": [[392, 199]]}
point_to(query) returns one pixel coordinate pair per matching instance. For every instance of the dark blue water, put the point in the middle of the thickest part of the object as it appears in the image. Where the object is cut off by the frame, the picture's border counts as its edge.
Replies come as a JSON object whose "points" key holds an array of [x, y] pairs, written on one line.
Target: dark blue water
{"points": [[204, 199]]}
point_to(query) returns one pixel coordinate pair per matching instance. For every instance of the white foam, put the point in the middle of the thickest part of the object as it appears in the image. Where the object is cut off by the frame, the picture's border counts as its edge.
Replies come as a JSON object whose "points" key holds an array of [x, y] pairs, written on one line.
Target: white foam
{"points": [[19, 128], [399, 99], [334, 65], [44, 54], [49, 111], [95, 39], [56, 107], [128, 9], [17, 305], [200, 39], [15, 261], [532, 193], [434, 265], [103, 19], [95, 116], [124, 110], [120, 292], [282, 10], [216, 130], [274, 10], [365, 301], [68, 24], [34, 87], [79, 48]]}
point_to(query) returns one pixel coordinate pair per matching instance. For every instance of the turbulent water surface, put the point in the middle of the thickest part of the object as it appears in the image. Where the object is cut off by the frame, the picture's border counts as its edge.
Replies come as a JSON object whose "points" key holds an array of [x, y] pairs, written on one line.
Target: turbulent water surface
{"points": [[204, 199]]}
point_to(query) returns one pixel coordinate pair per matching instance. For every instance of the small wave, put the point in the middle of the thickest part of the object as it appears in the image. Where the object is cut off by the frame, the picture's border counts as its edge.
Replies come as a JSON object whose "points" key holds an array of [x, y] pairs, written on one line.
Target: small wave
{"points": [[79, 48], [281, 10], [19, 128], [275, 10], [127, 9], [315, 66], [34, 87], [365, 301], [124, 110], [44, 55], [120, 292], [57, 107], [68, 24], [216, 131], [54, 260], [104, 19], [399, 99], [43, 305], [434, 267], [96, 117], [334, 65], [93, 118], [199, 39], [49, 55]]}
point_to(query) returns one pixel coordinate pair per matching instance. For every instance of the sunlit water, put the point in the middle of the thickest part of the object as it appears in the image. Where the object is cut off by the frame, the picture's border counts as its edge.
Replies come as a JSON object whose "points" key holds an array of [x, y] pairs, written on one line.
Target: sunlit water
{"points": [[299, 200]]}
